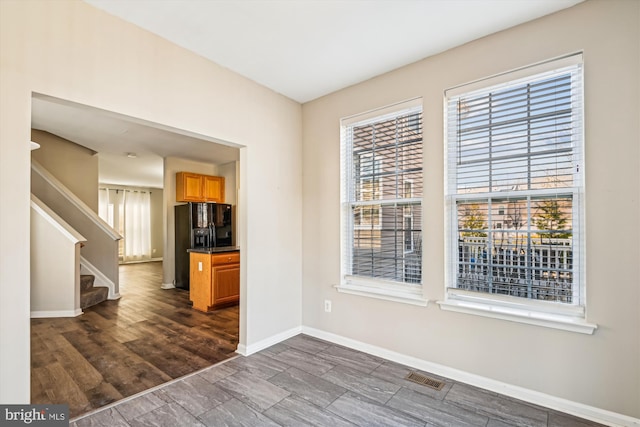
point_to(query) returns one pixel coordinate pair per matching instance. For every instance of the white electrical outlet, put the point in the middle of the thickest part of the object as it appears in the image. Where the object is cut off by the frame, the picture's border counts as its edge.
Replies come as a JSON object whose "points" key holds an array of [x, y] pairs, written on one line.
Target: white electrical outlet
{"points": [[327, 305], [199, 265]]}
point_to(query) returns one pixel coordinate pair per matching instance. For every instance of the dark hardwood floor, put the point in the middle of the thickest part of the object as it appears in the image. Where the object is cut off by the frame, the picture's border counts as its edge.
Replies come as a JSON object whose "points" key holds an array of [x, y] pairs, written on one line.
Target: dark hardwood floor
{"points": [[304, 381], [119, 348]]}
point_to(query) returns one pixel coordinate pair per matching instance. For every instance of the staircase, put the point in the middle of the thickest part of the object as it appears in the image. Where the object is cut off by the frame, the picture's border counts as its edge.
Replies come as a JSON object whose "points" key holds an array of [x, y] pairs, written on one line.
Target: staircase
{"points": [[91, 295], [98, 255]]}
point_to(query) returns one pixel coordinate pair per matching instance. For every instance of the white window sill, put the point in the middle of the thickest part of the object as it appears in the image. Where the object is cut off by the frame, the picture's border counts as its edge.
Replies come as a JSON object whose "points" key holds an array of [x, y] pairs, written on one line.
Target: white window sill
{"points": [[407, 294], [528, 312]]}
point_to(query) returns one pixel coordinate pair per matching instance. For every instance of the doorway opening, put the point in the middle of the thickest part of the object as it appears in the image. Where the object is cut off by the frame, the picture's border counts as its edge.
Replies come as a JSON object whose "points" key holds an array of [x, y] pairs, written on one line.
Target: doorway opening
{"points": [[146, 333]]}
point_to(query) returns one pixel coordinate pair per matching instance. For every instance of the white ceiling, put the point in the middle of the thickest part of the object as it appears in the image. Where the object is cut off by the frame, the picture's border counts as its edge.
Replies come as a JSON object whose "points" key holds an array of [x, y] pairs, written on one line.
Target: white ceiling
{"points": [[113, 136], [303, 49]]}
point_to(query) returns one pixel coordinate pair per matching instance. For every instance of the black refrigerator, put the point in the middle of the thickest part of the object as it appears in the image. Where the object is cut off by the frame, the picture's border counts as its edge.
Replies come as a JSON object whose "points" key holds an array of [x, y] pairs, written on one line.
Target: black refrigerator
{"points": [[199, 226]]}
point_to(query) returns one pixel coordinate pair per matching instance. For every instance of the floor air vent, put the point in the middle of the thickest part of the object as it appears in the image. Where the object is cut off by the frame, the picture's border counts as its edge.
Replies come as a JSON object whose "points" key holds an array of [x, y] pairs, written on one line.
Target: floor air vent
{"points": [[421, 379]]}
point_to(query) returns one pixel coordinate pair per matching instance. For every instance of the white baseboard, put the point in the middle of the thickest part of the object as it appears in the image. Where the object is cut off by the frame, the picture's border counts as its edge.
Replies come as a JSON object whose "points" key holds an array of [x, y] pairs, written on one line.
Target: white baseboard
{"points": [[573, 408], [56, 313], [167, 286], [139, 261], [247, 350], [242, 350]]}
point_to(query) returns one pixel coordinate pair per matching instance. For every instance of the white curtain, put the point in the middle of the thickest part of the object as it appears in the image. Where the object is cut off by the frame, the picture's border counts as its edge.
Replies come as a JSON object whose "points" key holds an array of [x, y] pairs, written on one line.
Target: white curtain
{"points": [[103, 206], [137, 226]]}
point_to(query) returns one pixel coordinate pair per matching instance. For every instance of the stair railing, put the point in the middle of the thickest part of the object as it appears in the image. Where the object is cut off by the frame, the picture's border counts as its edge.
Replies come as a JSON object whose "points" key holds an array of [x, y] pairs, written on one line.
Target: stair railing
{"points": [[101, 247]]}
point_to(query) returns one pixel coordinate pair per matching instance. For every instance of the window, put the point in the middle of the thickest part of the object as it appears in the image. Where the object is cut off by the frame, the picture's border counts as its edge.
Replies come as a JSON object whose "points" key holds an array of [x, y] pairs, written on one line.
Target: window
{"points": [[382, 201], [514, 194], [128, 212], [368, 179]]}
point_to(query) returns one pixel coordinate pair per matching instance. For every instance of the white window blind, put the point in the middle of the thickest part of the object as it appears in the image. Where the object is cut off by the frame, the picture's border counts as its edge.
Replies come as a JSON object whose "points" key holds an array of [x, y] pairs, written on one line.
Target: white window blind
{"points": [[382, 195], [515, 184]]}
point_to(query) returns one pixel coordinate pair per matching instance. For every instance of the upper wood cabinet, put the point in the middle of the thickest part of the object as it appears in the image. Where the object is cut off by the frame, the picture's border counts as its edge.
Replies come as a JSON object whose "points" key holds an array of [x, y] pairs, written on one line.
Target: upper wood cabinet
{"points": [[189, 187], [213, 188], [194, 187]]}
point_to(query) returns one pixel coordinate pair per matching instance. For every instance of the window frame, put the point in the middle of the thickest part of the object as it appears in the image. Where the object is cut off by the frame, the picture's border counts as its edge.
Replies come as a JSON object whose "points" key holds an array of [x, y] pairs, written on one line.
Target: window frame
{"points": [[571, 317], [362, 285]]}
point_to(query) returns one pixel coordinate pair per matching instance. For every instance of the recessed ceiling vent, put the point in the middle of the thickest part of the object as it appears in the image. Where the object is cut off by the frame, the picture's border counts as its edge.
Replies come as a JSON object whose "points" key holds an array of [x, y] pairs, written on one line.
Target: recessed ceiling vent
{"points": [[424, 380]]}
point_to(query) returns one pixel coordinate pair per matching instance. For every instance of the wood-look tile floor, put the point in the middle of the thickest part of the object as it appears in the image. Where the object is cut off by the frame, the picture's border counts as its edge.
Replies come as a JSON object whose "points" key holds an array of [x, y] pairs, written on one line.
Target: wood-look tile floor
{"points": [[304, 381], [119, 348]]}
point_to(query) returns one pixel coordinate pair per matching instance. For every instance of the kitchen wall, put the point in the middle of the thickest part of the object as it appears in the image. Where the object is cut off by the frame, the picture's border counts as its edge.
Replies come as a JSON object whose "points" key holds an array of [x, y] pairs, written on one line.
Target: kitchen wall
{"points": [[73, 51], [600, 370], [231, 172]]}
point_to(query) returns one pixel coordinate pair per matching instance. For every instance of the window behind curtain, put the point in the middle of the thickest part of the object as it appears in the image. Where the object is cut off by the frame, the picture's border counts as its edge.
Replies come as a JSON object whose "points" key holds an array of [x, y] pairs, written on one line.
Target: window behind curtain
{"points": [[111, 210], [382, 195], [514, 185], [137, 220], [128, 212]]}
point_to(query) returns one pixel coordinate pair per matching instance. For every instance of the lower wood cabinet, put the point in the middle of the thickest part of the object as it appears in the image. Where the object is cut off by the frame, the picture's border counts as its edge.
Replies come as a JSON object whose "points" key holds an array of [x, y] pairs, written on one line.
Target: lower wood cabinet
{"points": [[214, 280]]}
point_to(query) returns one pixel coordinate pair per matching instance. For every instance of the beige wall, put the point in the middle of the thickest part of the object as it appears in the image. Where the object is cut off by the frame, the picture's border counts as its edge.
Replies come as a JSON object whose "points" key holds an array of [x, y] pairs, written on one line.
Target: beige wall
{"points": [[72, 51], [55, 291], [75, 166], [230, 172], [600, 370], [157, 227]]}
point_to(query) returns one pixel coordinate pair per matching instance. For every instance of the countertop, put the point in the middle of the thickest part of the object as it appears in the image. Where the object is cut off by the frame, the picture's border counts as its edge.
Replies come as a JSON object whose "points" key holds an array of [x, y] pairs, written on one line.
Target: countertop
{"points": [[215, 250]]}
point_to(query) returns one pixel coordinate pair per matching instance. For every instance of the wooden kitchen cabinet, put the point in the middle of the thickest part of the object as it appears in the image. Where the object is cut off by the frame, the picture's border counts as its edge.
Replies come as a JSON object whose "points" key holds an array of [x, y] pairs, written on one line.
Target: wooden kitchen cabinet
{"points": [[226, 284], [189, 187], [213, 188], [214, 280], [194, 187]]}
